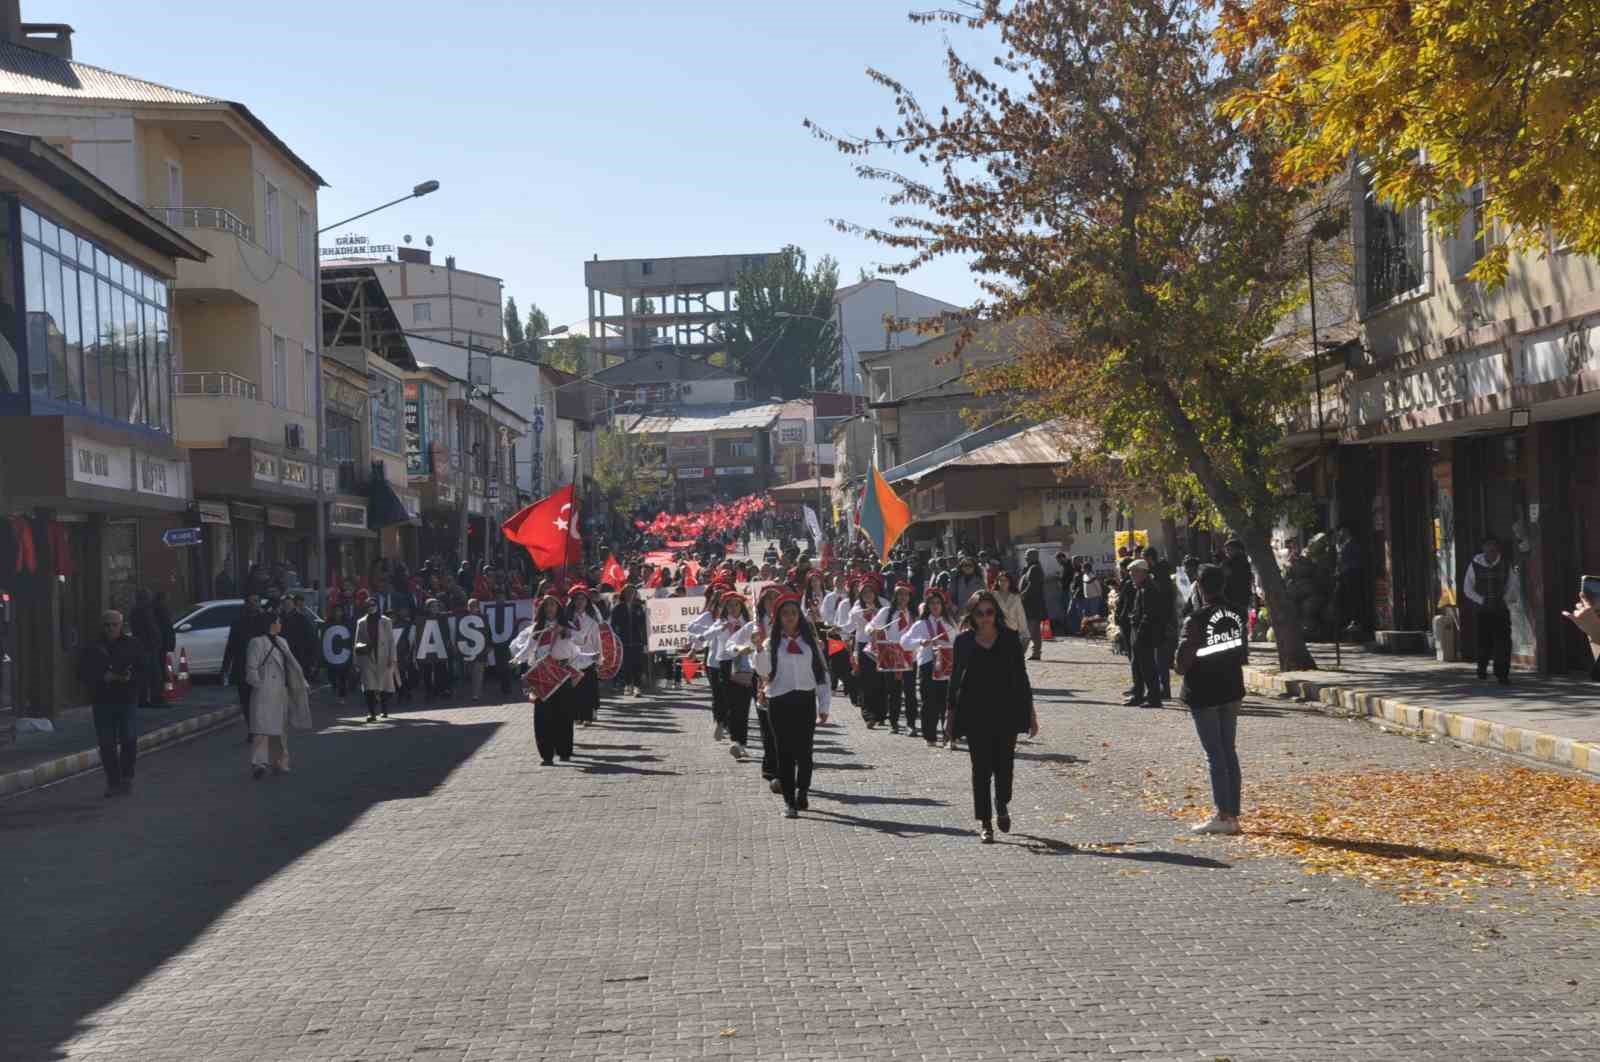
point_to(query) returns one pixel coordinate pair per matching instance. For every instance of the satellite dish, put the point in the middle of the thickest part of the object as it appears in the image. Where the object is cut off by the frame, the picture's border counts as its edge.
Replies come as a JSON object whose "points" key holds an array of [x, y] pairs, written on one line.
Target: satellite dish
{"points": [[428, 240], [406, 238]]}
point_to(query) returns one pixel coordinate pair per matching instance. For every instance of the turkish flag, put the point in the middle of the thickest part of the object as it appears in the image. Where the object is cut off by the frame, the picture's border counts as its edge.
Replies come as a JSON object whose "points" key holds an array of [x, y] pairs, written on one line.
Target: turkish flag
{"points": [[693, 570], [548, 529], [613, 573]]}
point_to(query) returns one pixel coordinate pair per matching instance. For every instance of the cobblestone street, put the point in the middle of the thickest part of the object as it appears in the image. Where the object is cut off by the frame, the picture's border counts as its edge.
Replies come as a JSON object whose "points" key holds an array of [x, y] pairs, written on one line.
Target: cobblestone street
{"points": [[423, 889]]}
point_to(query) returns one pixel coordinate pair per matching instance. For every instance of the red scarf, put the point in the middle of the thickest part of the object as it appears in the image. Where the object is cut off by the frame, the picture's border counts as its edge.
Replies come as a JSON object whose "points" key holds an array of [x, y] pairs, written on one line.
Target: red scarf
{"points": [[794, 646]]}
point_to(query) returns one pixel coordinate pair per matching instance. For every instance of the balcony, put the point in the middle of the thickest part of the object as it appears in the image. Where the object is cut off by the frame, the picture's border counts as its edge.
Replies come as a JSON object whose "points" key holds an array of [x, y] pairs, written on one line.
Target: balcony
{"points": [[215, 406], [219, 218]]}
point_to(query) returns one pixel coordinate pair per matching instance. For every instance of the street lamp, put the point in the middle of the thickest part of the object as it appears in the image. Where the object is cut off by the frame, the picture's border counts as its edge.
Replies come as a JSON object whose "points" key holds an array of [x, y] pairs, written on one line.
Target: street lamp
{"points": [[816, 444], [417, 191]]}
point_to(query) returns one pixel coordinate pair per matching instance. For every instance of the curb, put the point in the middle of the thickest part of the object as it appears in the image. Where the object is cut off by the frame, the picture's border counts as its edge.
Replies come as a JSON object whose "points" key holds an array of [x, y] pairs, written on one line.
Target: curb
{"points": [[43, 774], [1351, 702]]}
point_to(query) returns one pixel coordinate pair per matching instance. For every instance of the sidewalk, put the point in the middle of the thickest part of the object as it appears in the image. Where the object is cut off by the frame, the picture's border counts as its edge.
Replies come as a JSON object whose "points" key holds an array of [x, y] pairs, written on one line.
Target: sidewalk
{"points": [[1549, 720], [38, 759]]}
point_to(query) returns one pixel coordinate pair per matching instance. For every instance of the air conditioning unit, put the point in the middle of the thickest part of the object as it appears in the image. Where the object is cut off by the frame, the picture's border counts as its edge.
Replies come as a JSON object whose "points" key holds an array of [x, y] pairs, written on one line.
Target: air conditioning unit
{"points": [[688, 389], [294, 437]]}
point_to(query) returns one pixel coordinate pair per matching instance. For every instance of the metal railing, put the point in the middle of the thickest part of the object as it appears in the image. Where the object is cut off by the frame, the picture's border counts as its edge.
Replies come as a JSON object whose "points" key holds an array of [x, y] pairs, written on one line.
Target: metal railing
{"points": [[203, 217], [215, 384]]}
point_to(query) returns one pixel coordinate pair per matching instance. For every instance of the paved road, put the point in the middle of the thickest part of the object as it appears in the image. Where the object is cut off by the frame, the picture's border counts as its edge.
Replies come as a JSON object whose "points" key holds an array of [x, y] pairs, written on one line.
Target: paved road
{"points": [[424, 890]]}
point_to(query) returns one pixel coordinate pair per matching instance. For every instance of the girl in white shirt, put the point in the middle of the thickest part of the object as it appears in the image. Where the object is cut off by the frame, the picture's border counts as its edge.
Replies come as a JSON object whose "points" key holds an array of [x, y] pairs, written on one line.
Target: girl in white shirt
{"points": [[749, 641], [699, 630], [736, 679], [864, 658], [792, 666], [932, 638], [844, 601], [891, 623], [549, 637], [585, 621]]}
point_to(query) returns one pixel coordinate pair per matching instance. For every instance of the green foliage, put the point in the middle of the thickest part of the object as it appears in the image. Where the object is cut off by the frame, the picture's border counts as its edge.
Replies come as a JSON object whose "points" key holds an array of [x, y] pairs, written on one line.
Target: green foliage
{"points": [[513, 325], [627, 470], [778, 353]]}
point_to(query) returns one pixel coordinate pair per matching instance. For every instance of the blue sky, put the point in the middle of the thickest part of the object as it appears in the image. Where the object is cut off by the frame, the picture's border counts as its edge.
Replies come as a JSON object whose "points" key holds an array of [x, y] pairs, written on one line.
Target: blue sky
{"points": [[559, 129]]}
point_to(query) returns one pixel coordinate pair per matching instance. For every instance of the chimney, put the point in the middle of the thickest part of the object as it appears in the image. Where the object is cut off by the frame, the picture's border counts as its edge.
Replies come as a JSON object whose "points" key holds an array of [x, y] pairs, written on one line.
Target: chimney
{"points": [[51, 38], [11, 21]]}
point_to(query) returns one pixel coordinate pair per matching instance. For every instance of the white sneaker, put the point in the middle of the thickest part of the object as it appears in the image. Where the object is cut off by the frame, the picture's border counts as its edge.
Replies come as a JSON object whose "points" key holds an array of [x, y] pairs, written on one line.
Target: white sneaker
{"points": [[718, 735], [1217, 824], [736, 750]]}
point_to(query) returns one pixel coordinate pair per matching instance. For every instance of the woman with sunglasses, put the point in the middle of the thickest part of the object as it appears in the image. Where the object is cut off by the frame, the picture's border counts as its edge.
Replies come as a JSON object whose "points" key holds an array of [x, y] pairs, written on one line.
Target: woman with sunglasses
{"points": [[793, 670], [932, 639], [991, 702]]}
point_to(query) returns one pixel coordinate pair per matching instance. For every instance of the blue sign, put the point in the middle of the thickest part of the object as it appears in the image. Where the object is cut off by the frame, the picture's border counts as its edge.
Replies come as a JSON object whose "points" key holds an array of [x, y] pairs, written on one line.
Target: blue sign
{"points": [[181, 536]]}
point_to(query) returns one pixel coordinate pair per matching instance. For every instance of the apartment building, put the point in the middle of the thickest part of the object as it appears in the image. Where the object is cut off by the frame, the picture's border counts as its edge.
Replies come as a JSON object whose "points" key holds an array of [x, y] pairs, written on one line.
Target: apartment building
{"points": [[441, 302], [242, 318]]}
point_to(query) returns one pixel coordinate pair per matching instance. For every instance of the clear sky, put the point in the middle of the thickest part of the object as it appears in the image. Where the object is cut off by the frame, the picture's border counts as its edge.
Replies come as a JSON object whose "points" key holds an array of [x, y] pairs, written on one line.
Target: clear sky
{"points": [[559, 129]]}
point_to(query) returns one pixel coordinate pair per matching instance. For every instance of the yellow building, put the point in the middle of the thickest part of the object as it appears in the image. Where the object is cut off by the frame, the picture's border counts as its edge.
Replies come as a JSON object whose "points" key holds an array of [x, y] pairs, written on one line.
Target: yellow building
{"points": [[242, 321]]}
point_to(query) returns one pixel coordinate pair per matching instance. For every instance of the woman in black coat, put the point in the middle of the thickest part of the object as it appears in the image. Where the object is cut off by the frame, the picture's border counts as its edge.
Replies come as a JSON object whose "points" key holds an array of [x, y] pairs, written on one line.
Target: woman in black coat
{"points": [[632, 627], [991, 702]]}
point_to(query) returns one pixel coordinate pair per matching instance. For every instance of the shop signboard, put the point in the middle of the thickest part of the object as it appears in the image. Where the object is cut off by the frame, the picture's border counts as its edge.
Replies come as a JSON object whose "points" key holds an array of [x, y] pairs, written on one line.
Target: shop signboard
{"points": [[99, 465], [163, 478], [348, 516], [277, 516]]}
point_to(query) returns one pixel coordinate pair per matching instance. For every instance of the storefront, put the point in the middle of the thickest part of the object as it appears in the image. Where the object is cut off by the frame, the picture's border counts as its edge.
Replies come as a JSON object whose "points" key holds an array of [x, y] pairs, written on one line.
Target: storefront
{"points": [[270, 499]]}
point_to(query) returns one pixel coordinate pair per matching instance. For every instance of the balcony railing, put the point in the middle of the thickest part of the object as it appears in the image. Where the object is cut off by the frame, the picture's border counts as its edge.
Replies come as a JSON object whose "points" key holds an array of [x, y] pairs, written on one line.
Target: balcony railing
{"points": [[219, 218], [214, 384]]}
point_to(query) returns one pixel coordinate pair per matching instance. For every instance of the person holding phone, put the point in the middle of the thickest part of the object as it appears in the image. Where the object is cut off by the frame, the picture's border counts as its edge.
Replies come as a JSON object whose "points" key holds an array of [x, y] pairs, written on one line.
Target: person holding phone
{"points": [[1585, 615], [112, 668]]}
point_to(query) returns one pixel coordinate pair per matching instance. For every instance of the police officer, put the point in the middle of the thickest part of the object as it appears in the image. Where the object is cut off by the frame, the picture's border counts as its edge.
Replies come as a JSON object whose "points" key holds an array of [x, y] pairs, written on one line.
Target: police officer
{"points": [[1211, 658]]}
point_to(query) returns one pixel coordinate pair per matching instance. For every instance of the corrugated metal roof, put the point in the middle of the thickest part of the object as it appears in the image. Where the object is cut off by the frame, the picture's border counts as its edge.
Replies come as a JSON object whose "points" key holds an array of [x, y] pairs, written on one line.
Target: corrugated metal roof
{"points": [[26, 72], [1041, 444], [690, 420], [30, 73]]}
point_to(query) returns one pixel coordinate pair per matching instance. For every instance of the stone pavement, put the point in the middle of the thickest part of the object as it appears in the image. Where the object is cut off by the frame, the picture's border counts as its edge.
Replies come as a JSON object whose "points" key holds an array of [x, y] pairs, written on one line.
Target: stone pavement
{"points": [[1553, 720], [423, 889]]}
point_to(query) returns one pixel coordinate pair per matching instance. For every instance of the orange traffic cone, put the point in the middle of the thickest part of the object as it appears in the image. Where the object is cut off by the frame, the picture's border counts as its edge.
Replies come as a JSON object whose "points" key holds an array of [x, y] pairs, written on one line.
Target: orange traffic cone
{"points": [[184, 682], [1046, 631], [169, 685]]}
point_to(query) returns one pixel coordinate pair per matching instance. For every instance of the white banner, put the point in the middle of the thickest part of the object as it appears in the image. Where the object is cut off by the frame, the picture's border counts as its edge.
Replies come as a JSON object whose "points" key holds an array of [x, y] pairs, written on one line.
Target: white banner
{"points": [[669, 622], [814, 527]]}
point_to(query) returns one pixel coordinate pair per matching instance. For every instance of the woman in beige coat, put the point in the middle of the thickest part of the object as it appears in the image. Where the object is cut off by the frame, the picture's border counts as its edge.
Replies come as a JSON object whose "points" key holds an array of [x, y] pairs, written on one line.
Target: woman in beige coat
{"points": [[279, 698], [375, 660]]}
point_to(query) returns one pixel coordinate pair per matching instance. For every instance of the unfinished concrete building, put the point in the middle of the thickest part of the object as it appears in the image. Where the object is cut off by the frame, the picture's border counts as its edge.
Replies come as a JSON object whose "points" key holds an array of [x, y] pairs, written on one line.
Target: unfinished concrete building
{"points": [[639, 305]]}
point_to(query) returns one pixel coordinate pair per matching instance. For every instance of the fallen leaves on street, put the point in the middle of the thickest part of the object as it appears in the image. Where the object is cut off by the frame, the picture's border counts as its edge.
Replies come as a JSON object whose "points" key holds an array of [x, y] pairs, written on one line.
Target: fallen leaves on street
{"points": [[1429, 836]]}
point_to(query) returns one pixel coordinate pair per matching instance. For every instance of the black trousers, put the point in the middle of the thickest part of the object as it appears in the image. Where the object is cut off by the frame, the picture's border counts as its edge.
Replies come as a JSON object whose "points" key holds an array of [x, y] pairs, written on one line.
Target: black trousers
{"points": [[339, 676], [839, 671], [908, 694], [1146, 668], [870, 685], [435, 677], [119, 741], [552, 724], [377, 701], [993, 760], [893, 684], [1494, 641], [244, 702], [585, 696], [502, 668], [769, 745], [715, 677], [794, 729], [935, 698], [735, 709]]}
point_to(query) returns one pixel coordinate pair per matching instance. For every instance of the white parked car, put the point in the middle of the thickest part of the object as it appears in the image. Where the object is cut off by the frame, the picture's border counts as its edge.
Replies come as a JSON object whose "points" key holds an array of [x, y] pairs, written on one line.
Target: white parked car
{"points": [[204, 633]]}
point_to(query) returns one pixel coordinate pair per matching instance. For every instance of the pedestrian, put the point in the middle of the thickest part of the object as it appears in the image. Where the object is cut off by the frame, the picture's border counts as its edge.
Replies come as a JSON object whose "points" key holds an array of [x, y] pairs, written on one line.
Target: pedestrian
{"points": [[475, 663], [584, 619], [932, 639], [246, 627], [435, 671], [1148, 621], [1167, 637], [376, 660], [894, 664], [1488, 586], [407, 677], [1240, 588], [169, 634], [142, 627], [839, 631], [631, 623], [300, 631], [546, 647], [1016, 615], [112, 669], [1211, 657], [699, 630], [964, 583], [281, 699], [991, 702], [1033, 607], [754, 636], [1586, 617], [874, 706], [735, 670], [795, 673]]}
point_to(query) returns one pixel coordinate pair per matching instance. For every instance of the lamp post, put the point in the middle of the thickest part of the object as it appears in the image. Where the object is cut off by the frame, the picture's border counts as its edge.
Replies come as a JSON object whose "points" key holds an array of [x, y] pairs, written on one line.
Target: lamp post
{"points": [[417, 191]]}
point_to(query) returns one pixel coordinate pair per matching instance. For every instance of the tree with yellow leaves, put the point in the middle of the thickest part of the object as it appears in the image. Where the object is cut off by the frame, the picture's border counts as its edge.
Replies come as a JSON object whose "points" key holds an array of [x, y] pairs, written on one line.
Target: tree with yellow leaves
{"points": [[1436, 97], [1090, 178]]}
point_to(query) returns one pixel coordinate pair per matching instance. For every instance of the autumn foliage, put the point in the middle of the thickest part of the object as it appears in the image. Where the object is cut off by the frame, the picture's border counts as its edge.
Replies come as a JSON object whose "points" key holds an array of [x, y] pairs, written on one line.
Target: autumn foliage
{"points": [[1435, 96]]}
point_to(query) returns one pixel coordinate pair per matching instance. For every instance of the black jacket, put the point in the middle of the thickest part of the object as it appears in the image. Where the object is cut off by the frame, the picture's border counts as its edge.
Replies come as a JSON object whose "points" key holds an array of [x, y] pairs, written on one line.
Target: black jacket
{"points": [[1153, 613], [1211, 656], [998, 699], [244, 628], [1238, 583], [300, 631], [1033, 591], [125, 656], [631, 624]]}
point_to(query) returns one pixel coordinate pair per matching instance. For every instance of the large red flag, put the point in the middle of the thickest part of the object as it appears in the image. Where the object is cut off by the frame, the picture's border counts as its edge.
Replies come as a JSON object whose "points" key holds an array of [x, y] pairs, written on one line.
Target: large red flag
{"points": [[613, 573], [548, 529]]}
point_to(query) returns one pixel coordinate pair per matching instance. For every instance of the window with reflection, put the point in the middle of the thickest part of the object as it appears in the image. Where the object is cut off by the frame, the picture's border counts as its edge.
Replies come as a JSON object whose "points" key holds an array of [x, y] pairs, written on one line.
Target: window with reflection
{"points": [[97, 327]]}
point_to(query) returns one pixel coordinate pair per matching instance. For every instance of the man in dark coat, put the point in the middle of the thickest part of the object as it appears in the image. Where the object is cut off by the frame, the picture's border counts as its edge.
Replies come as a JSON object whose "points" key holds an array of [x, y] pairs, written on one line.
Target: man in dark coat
{"points": [[142, 626], [1149, 620], [300, 631], [247, 626], [112, 668], [1032, 590]]}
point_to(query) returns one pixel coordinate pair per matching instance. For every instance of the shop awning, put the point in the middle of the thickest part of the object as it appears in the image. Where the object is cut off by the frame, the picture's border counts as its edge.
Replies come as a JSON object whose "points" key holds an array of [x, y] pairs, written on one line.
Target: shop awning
{"points": [[384, 507], [939, 518]]}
